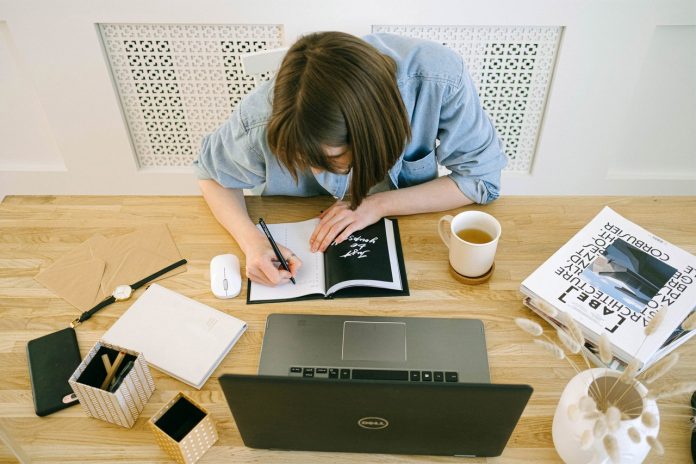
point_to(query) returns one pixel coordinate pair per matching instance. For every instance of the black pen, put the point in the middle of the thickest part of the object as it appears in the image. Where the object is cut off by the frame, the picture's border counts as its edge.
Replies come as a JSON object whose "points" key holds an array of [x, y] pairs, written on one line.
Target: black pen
{"points": [[275, 248], [121, 375]]}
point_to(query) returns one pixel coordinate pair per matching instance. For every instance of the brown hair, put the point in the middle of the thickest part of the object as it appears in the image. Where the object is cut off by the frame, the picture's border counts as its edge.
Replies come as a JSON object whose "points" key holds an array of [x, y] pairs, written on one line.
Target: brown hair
{"points": [[335, 89]]}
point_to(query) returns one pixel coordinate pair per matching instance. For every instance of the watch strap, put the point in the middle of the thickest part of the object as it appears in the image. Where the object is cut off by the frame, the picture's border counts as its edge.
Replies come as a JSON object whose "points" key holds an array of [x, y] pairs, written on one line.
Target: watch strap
{"points": [[157, 274], [87, 314], [107, 301]]}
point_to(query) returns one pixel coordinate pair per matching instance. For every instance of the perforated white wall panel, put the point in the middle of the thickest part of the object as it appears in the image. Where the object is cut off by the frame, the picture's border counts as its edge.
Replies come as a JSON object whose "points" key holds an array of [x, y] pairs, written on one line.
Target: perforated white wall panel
{"points": [[178, 82], [512, 68]]}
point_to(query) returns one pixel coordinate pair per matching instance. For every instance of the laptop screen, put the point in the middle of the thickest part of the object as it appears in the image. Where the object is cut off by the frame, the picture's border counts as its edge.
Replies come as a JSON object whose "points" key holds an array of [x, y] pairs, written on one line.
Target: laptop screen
{"points": [[295, 413]]}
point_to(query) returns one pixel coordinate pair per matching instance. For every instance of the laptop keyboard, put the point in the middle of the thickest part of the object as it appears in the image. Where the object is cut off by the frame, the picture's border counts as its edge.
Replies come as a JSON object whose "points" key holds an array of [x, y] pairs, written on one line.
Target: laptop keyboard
{"points": [[373, 374]]}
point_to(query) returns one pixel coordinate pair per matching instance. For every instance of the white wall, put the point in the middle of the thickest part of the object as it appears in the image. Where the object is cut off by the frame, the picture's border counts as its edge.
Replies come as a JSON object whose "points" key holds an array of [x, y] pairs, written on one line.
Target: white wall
{"points": [[619, 119]]}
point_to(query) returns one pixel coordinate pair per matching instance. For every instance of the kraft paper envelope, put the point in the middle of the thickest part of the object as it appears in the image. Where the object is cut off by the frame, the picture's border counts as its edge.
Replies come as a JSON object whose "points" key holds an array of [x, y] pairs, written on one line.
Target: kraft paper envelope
{"points": [[92, 270]]}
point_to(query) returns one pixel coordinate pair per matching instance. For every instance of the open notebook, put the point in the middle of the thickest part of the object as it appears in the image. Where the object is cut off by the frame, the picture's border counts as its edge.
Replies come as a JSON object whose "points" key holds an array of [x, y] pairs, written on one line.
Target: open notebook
{"points": [[369, 263]]}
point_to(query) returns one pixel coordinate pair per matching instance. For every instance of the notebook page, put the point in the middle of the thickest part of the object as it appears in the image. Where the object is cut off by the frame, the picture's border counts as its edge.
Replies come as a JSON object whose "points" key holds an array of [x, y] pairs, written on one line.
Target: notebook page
{"points": [[310, 277], [351, 258]]}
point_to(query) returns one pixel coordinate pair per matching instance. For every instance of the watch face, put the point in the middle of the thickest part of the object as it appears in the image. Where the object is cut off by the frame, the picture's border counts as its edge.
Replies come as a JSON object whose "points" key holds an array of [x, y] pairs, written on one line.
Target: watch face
{"points": [[122, 292]]}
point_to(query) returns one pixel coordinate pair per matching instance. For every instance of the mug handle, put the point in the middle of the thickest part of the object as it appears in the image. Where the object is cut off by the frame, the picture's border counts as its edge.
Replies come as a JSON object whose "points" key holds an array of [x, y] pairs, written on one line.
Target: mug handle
{"points": [[445, 234]]}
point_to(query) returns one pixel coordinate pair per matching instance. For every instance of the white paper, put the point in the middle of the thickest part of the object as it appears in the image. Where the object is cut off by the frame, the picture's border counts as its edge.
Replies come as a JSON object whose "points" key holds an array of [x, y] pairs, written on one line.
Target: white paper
{"points": [[177, 335], [310, 278]]}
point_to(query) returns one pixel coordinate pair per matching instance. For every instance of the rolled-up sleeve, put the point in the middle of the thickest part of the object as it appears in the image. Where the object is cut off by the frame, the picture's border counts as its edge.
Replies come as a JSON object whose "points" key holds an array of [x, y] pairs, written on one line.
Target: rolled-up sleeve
{"points": [[228, 157], [469, 145]]}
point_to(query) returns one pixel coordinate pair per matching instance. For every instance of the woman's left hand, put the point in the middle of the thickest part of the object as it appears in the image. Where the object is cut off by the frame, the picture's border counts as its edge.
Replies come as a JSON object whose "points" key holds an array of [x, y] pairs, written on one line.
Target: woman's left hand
{"points": [[339, 221]]}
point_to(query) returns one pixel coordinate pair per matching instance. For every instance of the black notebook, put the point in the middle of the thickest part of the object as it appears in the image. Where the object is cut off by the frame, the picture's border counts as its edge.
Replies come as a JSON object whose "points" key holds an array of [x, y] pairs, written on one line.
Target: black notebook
{"points": [[369, 263], [52, 360]]}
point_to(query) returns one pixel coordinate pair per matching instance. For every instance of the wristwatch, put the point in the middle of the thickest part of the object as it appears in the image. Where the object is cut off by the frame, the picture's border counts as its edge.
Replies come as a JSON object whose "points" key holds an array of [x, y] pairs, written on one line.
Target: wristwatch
{"points": [[123, 292]]}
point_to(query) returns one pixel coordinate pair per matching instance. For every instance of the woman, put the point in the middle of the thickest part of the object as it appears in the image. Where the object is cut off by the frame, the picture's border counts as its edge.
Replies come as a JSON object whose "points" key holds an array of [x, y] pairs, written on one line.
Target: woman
{"points": [[371, 117]]}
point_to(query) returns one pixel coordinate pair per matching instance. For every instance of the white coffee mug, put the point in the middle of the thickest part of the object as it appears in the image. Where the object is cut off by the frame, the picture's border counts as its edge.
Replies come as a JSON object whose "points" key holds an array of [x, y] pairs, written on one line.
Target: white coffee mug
{"points": [[469, 258]]}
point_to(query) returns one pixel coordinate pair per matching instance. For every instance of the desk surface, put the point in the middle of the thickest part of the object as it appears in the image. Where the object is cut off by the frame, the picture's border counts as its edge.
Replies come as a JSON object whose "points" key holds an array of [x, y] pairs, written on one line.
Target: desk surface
{"points": [[34, 231]]}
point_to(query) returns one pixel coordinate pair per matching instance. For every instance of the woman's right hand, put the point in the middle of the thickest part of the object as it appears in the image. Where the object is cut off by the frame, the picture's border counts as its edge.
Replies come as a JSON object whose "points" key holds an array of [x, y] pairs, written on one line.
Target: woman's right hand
{"points": [[229, 208], [262, 265]]}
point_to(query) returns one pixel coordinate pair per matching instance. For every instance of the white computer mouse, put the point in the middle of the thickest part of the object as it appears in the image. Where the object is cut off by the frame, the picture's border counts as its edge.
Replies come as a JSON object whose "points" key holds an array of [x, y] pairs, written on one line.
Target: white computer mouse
{"points": [[225, 277]]}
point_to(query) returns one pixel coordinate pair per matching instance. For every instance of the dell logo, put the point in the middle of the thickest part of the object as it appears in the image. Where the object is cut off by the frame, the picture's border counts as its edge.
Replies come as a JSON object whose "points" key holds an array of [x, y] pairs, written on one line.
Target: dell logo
{"points": [[373, 423]]}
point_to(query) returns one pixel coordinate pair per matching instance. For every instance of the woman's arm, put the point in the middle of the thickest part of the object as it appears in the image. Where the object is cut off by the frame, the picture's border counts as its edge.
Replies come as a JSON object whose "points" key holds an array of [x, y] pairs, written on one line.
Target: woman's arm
{"points": [[438, 194], [229, 208], [339, 221]]}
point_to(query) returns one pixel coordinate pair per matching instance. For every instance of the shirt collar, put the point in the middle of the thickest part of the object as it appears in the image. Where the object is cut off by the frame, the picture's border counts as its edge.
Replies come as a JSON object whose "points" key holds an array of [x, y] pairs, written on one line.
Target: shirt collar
{"points": [[335, 184]]}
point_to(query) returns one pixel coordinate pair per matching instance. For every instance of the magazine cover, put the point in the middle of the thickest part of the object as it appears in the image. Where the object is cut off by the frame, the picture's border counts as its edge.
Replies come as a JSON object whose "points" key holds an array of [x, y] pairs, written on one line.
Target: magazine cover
{"points": [[612, 277]]}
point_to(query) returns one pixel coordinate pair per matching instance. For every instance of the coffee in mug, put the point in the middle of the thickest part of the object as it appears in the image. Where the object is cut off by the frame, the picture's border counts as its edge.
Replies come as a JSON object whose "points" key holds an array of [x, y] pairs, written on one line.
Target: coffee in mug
{"points": [[477, 236], [472, 239]]}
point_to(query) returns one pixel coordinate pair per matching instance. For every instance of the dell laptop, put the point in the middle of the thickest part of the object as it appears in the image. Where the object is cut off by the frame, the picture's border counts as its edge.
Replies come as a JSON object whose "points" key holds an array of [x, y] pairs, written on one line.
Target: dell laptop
{"points": [[374, 416], [374, 385]]}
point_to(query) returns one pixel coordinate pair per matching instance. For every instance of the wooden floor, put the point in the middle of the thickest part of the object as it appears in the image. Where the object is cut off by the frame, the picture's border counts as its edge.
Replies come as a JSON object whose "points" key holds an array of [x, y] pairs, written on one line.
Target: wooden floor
{"points": [[34, 231]]}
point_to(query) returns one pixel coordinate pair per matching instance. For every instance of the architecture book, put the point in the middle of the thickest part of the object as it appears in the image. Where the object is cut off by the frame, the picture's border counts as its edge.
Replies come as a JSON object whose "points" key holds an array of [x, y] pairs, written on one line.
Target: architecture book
{"points": [[369, 263], [611, 278]]}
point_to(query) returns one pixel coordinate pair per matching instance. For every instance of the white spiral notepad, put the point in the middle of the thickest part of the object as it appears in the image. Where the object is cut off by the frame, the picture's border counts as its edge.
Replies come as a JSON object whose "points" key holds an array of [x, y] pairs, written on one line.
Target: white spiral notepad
{"points": [[179, 336]]}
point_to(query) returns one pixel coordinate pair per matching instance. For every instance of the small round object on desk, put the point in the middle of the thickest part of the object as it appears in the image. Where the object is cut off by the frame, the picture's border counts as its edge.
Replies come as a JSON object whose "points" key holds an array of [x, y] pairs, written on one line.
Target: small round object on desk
{"points": [[122, 292], [472, 280]]}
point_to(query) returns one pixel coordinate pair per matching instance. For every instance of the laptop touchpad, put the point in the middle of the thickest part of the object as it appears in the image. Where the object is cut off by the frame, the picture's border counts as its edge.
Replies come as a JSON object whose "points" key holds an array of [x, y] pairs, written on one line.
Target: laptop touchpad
{"points": [[374, 341]]}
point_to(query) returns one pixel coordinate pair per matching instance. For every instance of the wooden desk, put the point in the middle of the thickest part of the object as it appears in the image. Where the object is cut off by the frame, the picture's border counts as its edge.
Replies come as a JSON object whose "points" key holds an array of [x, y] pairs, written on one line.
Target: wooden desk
{"points": [[34, 231]]}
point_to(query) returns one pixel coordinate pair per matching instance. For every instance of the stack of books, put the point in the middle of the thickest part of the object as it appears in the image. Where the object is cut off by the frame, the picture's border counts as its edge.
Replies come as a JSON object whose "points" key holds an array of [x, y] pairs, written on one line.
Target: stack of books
{"points": [[612, 278]]}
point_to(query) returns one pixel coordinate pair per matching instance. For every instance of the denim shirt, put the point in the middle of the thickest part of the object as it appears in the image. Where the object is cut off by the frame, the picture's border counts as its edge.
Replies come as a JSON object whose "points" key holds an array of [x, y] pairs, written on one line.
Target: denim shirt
{"points": [[448, 127]]}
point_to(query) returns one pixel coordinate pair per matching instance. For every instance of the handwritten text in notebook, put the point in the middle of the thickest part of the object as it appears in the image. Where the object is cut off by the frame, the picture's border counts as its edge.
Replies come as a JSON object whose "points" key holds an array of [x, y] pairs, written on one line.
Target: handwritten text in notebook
{"points": [[359, 247]]}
